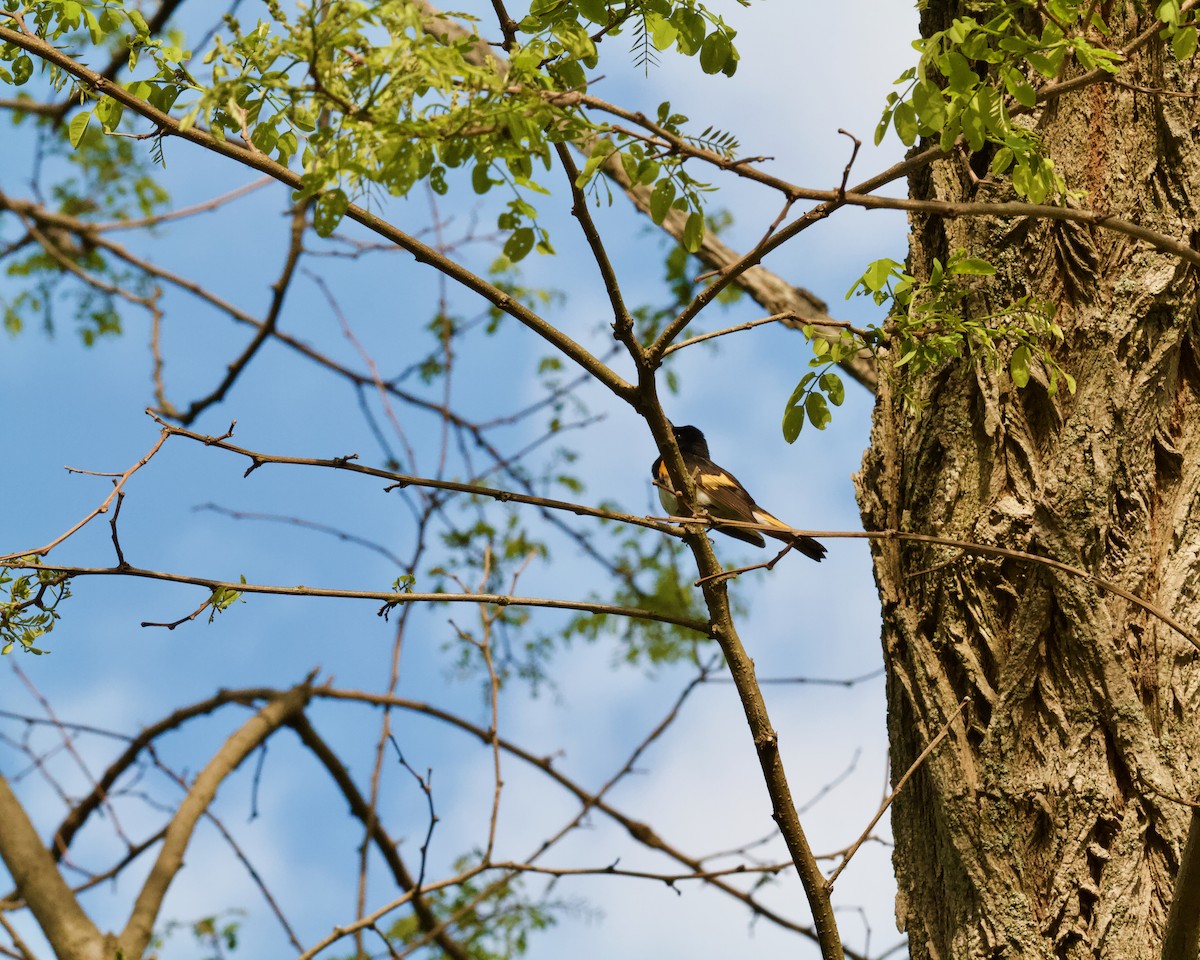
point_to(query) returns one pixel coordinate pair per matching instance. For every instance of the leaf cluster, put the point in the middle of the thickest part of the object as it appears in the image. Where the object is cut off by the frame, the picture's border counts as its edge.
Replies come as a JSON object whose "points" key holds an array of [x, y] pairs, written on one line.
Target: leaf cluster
{"points": [[662, 169], [29, 606], [819, 388], [933, 322], [973, 76]]}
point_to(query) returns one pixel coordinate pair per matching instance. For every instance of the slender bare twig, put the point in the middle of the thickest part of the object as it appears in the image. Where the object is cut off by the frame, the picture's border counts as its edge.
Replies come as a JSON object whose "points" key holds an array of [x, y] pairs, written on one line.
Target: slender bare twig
{"points": [[304, 524], [967, 547], [849, 163], [640, 831], [20, 949], [259, 459], [389, 598], [372, 918], [786, 317], [814, 681], [206, 206], [279, 291], [103, 508], [622, 319], [386, 846], [862, 838], [68, 742]]}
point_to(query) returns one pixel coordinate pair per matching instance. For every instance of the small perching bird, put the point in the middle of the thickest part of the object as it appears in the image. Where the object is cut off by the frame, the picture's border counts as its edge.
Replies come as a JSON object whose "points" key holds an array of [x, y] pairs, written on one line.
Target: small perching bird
{"points": [[719, 493]]}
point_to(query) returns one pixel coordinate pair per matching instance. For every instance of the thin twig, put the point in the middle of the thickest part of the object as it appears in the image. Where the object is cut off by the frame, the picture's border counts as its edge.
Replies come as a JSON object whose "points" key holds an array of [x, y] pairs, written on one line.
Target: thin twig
{"points": [[862, 838], [103, 508], [967, 547]]}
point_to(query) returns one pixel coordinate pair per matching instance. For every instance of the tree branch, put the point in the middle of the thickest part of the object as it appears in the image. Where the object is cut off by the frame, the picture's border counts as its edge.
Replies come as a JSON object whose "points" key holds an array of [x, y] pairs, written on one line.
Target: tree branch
{"points": [[279, 710], [387, 847], [168, 125], [387, 597], [265, 330], [70, 932], [642, 832]]}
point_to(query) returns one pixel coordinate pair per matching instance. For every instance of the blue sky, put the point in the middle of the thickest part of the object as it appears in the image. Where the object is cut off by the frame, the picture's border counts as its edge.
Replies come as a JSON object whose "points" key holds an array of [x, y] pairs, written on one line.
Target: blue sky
{"points": [[806, 70]]}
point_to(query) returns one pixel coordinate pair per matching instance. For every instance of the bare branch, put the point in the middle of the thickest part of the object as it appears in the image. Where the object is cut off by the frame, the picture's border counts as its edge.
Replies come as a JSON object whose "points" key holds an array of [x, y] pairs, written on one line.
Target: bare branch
{"points": [[390, 599], [386, 846], [404, 480], [640, 831], [103, 508], [70, 932], [278, 291], [278, 711], [967, 547]]}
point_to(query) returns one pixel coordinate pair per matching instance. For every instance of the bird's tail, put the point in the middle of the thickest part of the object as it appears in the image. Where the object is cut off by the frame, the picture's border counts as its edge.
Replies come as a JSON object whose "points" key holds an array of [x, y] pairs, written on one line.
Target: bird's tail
{"points": [[806, 545]]}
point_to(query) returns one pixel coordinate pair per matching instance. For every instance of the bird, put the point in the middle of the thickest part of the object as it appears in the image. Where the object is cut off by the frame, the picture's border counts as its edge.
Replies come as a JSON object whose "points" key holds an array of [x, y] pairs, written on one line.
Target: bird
{"points": [[719, 493]]}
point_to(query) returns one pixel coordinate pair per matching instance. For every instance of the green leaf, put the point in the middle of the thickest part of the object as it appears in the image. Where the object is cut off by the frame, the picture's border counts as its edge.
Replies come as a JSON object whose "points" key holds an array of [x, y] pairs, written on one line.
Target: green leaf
{"points": [[715, 52], [817, 410], [881, 128], [594, 10], [793, 423], [1047, 66], [78, 127], [973, 126], [834, 389], [600, 152], [971, 266], [905, 119], [937, 274], [1016, 84], [1001, 161], [960, 78], [94, 28], [878, 273], [139, 22], [930, 105], [662, 31], [690, 24], [1183, 44], [801, 389], [519, 244], [480, 181], [647, 172], [110, 19], [1018, 366], [328, 211], [108, 111], [1168, 12], [693, 232], [22, 70], [661, 198]]}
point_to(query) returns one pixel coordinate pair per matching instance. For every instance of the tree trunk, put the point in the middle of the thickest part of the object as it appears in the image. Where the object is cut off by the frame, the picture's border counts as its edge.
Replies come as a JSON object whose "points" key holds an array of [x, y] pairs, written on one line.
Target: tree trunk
{"points": [[1034, 830]]}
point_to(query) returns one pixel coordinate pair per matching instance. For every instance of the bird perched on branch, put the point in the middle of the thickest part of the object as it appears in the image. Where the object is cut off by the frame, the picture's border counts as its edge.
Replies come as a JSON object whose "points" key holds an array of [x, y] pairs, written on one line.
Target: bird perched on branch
{"points": [[719, 493]]}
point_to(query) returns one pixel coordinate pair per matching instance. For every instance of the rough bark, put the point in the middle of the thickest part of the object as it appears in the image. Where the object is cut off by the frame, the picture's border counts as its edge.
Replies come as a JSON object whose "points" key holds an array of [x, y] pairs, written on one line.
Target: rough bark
{"points": [[1034, 831]]}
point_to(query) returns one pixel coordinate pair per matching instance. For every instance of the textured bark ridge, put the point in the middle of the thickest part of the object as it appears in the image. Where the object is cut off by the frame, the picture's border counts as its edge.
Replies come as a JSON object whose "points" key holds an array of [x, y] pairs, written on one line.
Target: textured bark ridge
{"points": [[1035, 829]]}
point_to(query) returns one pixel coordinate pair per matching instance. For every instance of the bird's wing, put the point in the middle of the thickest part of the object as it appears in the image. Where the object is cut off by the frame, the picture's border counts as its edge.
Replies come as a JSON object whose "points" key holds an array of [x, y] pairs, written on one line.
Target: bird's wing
{"points": [[724, 498]]}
